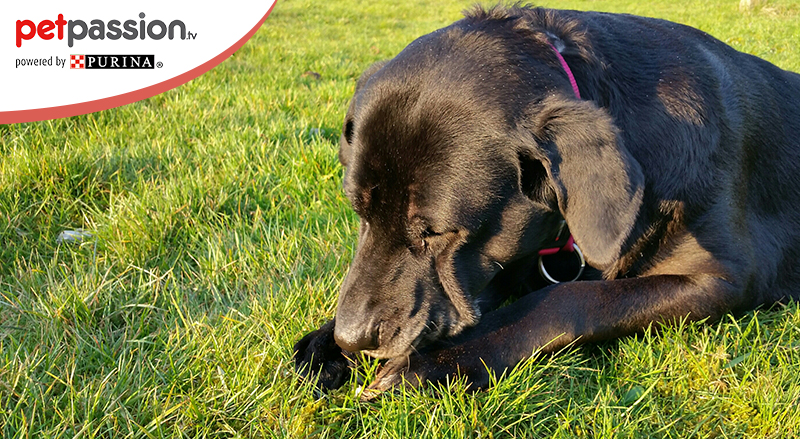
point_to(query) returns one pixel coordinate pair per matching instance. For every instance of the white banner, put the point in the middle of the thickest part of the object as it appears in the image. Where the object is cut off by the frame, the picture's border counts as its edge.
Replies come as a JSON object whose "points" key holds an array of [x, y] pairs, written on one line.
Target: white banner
{"points": [[60, 59]]}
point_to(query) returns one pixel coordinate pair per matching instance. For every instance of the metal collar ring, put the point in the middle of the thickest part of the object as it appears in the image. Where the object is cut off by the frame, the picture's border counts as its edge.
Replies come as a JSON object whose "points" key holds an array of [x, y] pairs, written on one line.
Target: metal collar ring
{"points": [[546, 275]]}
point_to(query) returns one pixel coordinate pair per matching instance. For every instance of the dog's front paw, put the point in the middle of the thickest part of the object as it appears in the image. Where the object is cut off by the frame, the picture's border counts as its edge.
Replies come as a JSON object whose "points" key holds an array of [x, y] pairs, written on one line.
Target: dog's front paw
{"points": [[317, 356], [431, 367]]}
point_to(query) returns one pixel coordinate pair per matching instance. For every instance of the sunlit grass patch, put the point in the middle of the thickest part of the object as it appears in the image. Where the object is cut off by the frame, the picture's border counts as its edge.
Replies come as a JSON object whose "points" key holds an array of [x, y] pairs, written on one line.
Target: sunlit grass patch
{"points": [[219, 236]]}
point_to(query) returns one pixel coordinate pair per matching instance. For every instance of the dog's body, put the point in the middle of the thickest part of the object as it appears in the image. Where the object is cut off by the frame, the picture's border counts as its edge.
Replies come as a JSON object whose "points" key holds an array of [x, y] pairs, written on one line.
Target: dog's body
{"points": [[676, 172]]}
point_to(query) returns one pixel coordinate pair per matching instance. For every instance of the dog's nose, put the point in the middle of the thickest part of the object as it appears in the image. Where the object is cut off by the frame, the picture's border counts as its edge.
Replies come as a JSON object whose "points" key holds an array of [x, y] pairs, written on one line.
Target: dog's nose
{"points": [[354, 338]]}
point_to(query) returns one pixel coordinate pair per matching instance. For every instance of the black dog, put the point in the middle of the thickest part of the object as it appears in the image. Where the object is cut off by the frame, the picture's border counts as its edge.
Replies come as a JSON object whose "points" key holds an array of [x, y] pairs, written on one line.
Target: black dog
{"points": [[677, 172]]}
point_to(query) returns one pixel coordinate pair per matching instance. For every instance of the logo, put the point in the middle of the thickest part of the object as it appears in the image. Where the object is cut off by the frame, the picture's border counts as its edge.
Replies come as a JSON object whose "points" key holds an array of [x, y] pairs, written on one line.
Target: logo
{"points": [[100, 30], [77, 61], [89, 62], [125, 51]]}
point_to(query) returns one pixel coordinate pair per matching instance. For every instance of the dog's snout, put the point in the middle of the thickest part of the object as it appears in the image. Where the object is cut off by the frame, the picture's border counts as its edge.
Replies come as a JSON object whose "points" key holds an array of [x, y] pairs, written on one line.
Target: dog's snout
{"points": [[356, 337]]}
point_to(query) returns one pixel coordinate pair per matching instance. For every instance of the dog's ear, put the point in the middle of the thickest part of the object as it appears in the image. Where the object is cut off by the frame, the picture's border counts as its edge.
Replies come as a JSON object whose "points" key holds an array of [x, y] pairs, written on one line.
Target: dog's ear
{"points": [[349, 123], [599, 185]]}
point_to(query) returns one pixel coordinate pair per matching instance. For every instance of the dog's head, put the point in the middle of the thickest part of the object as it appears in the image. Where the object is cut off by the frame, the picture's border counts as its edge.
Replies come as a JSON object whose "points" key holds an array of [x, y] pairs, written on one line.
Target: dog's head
{"points": [[462, 155]]}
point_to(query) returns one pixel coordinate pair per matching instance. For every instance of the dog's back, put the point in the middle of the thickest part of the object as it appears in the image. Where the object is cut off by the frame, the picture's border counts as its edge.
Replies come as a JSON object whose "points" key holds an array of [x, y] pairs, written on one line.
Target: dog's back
{"points": [[717, 134]]}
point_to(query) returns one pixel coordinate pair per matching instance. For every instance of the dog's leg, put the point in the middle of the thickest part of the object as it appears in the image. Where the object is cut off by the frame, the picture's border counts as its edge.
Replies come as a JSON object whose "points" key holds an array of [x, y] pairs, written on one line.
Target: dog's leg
{"points": [[558, 315], [317, 356]]}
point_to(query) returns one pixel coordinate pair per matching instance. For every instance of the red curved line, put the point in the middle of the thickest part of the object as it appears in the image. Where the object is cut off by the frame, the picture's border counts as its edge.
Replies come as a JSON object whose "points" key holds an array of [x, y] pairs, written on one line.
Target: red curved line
{"points": [[7, 117]]}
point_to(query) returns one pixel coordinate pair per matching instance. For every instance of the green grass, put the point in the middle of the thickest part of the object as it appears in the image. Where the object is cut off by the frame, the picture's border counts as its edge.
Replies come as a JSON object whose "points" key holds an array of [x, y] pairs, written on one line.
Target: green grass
{"points": [[220, 236]]}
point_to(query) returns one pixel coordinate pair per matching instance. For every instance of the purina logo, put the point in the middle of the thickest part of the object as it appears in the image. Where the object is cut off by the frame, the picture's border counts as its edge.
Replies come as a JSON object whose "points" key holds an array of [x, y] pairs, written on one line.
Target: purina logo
{"points": [[100, 30], [77, 61], [88, 62]]}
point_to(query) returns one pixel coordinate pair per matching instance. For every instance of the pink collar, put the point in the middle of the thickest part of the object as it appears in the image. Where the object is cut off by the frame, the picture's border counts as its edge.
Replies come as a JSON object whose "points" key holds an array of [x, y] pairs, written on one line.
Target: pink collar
{"points": [[569, 72], [569, 242], [564, 242]]}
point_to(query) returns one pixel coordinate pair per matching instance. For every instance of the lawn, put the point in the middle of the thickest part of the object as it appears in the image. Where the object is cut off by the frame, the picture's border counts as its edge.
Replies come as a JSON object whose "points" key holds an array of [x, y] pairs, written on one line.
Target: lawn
{"points": [[219, 236]]}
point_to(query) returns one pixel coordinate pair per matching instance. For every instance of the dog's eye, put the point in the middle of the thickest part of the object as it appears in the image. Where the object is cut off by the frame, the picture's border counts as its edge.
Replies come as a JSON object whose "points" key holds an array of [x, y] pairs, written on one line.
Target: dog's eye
{"points": [[427, 233], [423, 238]]}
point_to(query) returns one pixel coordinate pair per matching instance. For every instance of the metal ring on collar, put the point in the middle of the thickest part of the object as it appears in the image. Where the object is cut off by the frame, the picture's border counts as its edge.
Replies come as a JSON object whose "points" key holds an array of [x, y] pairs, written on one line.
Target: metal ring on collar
{"points": [[550, 279]]}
